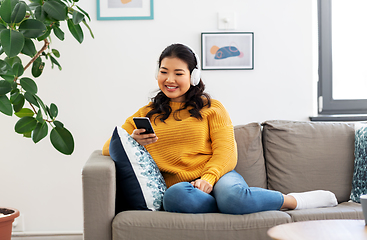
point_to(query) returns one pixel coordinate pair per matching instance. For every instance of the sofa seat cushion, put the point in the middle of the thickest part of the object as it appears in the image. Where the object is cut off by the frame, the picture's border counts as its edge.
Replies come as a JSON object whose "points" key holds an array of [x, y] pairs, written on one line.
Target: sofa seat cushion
{"points": [[305, 156], [164, 225], [346, 210]]}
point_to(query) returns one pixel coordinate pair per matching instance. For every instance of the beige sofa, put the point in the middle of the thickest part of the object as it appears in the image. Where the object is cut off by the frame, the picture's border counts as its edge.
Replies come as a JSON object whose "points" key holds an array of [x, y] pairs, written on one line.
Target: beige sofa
{"points": [[287, 156]]}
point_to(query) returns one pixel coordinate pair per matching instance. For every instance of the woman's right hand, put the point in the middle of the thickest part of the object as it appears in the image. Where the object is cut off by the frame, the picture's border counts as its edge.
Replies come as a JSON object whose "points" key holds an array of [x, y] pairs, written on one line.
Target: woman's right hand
{"points": [[143, 139]]}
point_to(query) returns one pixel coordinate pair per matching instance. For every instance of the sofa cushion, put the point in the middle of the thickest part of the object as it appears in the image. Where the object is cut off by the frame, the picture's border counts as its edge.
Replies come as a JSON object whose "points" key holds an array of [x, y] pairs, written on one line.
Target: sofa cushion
{"points": [[139, 183], [345, 210], [251, 163], [359, 183], [136, 225], [304, 156]]}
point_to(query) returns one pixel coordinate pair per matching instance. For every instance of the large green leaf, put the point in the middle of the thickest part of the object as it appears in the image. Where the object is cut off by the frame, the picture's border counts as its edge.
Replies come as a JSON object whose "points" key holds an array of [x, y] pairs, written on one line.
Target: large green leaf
{"points": [[15, 97], [90, 30], [25, 124], [28, 85], [6, 10], [33, 5], [39, 116], [56, 53], [62, 140], [31, 99], [56, 10], [24, 112], [53, 110], [19, 103], [58, 124], [54, 61], [5, 87], [8, 77], [39, 132], [84, 12], [77, 17], [59, 33], [43, 106], [14, 85], [29, 48], [19, 12], [13, 60], [18, 69], [40, 13], [37, 1], [12, 42], [4, 67], [37, 67], [76, 31], [32, 28], [45, 35], [5, 105]]}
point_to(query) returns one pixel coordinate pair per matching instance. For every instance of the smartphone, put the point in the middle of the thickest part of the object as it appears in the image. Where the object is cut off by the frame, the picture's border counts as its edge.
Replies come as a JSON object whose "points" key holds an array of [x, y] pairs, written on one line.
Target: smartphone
{"points": [[143, 122]]}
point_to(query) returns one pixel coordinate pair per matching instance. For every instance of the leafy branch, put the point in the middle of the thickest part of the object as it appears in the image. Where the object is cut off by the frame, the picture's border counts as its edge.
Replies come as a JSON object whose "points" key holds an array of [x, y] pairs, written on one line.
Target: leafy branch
{"points": [[22, 24]]}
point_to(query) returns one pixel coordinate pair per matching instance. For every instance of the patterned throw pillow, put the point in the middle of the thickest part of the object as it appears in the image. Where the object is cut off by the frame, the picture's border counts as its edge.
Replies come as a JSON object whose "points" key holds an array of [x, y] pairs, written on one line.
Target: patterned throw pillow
{"points": [[139, 183], [359, 183]]}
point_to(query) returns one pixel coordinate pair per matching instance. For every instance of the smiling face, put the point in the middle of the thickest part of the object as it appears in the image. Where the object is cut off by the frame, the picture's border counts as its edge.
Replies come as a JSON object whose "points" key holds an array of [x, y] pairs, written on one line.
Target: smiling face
{"points": [[174, 78]]}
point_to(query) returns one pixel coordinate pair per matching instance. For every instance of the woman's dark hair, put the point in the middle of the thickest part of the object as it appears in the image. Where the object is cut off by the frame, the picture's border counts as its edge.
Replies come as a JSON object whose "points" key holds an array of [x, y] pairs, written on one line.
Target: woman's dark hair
{"points": [[195, 97]]}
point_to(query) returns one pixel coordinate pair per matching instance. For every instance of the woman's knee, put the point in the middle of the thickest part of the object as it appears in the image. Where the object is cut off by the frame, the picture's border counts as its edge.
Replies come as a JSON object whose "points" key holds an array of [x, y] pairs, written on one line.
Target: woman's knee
{"points": [[184, 198], [228, 180], [173, 194], [235, 199]]}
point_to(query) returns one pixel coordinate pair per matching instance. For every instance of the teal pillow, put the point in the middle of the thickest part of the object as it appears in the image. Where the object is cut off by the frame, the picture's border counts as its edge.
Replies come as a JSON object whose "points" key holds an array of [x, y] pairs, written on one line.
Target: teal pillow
{"points": [[359, 183]]}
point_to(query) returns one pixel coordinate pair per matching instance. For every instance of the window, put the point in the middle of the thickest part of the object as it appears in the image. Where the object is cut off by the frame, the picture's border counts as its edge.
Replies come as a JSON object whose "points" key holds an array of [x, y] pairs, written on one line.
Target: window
{"points": [[342, 87]]}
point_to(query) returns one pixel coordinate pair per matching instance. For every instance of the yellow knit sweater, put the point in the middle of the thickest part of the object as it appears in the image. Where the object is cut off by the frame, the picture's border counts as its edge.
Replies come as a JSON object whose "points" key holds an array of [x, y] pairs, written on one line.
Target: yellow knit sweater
{"points": [[190, 148]]}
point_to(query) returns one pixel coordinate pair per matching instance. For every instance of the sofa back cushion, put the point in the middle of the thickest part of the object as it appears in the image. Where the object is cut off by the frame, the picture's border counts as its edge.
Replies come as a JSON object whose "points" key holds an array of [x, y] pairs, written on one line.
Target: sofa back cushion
{"points": [[251, 164], [304, 156]]}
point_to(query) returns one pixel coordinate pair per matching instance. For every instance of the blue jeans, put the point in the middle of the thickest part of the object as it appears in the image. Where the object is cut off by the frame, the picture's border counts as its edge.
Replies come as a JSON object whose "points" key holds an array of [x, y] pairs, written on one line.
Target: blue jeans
{"points": [[230, 195]]}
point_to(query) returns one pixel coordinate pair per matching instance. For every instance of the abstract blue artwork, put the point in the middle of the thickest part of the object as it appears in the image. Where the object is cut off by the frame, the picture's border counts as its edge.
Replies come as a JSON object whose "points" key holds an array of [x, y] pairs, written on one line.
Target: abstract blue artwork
{"points": [[231, 51]]}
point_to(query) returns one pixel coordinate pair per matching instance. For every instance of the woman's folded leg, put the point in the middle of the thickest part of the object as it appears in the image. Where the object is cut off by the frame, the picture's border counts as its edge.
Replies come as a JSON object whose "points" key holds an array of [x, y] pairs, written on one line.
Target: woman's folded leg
{"points": [[234, 196], [184, 198]]}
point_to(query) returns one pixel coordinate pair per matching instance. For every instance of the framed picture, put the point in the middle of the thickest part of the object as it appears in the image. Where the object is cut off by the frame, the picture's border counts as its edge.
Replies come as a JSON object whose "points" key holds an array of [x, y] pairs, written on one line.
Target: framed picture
{"points": [[125, 9], [227, 51]]}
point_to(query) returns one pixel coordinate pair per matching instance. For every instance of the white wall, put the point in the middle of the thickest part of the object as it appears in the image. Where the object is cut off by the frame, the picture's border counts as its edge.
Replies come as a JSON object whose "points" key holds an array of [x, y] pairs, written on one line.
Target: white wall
{"points": [[107, 79]]}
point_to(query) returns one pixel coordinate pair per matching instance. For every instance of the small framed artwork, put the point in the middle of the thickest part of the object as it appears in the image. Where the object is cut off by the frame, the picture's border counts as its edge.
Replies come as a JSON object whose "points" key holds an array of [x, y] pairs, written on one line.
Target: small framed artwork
{"points": [[125, 10], [227, 51]]}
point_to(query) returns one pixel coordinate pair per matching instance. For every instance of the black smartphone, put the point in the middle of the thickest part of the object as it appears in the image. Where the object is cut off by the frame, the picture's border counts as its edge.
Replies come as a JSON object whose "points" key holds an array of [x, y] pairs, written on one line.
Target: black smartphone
{"points": [[143, 122]]}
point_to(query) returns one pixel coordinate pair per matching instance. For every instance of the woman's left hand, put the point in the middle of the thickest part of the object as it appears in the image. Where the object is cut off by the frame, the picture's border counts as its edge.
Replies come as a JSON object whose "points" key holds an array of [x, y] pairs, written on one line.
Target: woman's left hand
{"points": [[202, 185]]}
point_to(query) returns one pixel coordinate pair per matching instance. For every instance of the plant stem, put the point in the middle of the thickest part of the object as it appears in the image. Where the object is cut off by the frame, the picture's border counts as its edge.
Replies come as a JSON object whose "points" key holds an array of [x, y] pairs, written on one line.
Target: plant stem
{"points": [[34, 110], [38, 54]]}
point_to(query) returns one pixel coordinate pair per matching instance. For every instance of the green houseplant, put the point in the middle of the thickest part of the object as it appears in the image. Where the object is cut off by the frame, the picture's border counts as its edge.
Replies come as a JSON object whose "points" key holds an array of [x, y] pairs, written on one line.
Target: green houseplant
{"points": [[23, 26]]}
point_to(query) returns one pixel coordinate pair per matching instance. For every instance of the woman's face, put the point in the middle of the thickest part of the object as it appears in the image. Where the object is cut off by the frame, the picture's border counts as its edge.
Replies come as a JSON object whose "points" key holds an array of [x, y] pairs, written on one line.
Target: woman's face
{"points": [[174, 78]]}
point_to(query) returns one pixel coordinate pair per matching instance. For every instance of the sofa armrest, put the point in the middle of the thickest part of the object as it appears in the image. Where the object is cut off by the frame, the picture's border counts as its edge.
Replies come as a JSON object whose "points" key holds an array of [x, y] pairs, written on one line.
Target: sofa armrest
{"points": [[99, 193]]}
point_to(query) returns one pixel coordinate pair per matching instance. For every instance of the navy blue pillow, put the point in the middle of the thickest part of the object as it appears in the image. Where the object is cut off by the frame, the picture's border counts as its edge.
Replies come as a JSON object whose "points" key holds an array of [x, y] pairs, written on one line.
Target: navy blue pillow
{"points": [[359, 182], [139, 183]]}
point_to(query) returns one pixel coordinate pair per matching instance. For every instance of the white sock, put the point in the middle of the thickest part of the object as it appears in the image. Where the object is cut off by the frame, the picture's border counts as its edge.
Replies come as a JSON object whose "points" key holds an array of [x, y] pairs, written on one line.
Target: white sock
{"points": [[315, 199]]}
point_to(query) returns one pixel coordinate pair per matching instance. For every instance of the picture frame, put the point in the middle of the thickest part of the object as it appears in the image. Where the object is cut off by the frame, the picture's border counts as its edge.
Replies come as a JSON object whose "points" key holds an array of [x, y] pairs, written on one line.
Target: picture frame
{"points": [[227, 50], [125, 9]]}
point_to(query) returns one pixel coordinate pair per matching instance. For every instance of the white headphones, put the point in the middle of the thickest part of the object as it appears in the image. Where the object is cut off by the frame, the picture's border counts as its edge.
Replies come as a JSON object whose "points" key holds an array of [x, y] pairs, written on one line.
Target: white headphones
{"points": [[196, 72]]}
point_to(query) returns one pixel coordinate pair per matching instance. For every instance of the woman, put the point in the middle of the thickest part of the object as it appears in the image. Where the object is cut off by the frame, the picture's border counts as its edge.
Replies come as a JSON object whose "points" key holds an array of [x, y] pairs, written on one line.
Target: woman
{"points": [[196, 151]]}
